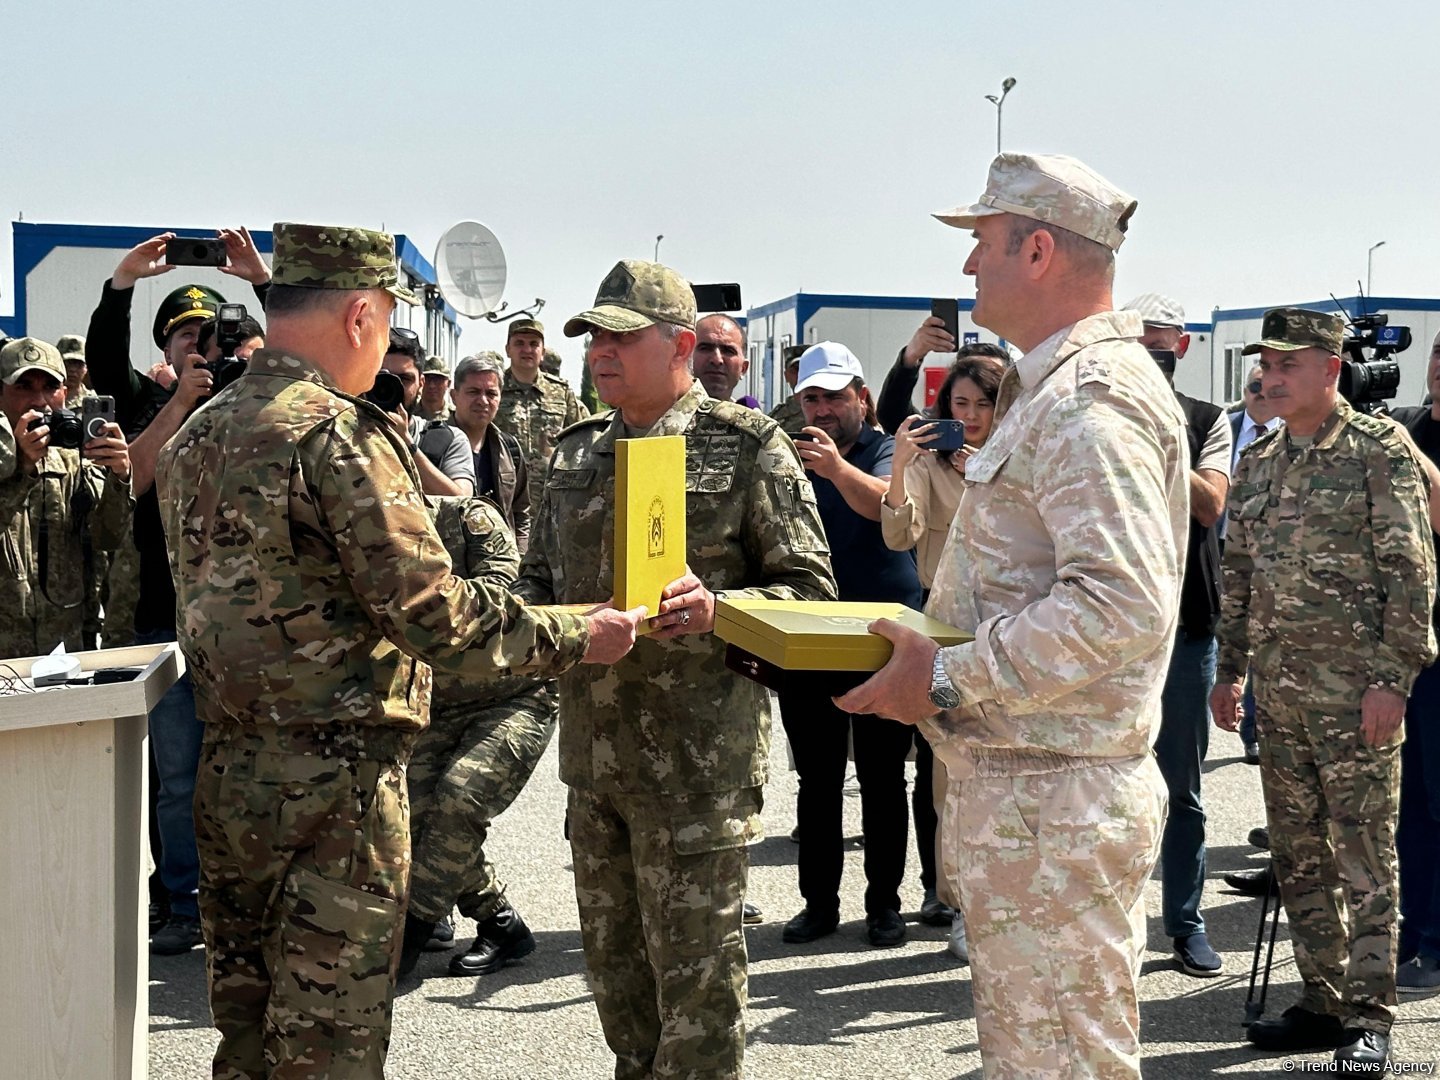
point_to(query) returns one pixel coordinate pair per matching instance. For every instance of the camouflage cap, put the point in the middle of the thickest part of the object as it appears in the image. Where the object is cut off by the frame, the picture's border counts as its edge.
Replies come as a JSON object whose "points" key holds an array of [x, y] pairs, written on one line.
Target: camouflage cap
{"points": [[634, 295], [526, 326], [336, 257], [435, 365], [1157, 309], [29, 354], [71, 347], [1290, 328], [1053, 189], [183, 304]]}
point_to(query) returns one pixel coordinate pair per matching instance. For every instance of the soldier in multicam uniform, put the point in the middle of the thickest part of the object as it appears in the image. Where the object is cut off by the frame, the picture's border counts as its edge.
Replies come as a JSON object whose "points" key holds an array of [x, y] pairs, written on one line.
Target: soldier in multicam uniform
{"points": [[72, 351], [535, 406], [313, 594], [1329, 582], [1065, 561], [61, 510], [665, 754], [481, 748], [434, 400]]}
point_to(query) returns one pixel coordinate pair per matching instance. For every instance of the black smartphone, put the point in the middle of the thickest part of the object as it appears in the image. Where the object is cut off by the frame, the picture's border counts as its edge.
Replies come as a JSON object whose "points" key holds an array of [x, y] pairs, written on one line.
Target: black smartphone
{"points": [[95, 413], [724, 297], [800, 436], [195, 251], [950, 435], [948, 312]]}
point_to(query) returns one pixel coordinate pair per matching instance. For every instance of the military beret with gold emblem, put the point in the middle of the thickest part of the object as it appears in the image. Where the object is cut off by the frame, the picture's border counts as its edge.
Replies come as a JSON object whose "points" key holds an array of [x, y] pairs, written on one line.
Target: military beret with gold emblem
{"points": [[185, 303]]}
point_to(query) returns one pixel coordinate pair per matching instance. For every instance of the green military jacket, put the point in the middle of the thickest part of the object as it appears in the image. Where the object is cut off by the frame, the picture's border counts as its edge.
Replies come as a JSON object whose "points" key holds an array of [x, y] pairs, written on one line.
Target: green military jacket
{"points": [[1329, 568], [788, 414], [670, 718], [312, 589], [48, 518], [536, 414]]}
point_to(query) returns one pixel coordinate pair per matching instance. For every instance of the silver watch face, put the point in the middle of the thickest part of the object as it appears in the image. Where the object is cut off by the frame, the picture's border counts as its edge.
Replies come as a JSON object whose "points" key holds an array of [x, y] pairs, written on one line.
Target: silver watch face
{"points": [[944, 697]]}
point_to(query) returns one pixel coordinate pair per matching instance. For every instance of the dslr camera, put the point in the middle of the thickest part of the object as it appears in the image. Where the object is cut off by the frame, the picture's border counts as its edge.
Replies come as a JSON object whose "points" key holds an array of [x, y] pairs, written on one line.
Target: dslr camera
{"points": [[1368, 382], [388, 392], [70, 430], [228, 337]]}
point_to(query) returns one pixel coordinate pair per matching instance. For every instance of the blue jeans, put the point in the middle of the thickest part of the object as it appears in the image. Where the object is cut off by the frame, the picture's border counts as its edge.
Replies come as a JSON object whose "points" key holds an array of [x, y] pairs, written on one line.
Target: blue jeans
{"points": [[175, 734], [1180, 751], [1416, 838]]}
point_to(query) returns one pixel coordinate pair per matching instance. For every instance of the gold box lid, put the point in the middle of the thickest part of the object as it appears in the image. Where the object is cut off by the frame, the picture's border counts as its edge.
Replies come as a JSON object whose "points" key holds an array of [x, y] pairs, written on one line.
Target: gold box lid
{"points": [[822, 635]]}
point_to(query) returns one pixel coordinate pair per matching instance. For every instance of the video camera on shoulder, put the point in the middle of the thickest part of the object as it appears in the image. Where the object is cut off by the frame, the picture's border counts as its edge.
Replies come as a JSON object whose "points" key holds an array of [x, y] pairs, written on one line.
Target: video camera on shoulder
{"points": [[1368, 382], [229, 336], [70, 430]]}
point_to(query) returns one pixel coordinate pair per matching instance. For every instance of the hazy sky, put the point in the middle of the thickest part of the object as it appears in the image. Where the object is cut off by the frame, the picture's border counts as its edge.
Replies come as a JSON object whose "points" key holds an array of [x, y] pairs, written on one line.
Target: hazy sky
{"points": [[786, 146]]}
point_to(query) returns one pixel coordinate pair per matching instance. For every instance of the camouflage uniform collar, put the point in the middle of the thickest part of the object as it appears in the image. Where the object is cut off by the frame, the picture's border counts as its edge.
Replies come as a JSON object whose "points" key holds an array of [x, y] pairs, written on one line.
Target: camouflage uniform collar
{"points": [[675, 421], [289, 366], [511, 385], [1036, 365], [1330, 428]]}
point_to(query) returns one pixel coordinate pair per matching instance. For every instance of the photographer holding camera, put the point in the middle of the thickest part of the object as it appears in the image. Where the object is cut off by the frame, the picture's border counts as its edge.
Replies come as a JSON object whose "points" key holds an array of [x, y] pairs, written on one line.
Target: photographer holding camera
{"points": [[442, 453], [62, 504]]}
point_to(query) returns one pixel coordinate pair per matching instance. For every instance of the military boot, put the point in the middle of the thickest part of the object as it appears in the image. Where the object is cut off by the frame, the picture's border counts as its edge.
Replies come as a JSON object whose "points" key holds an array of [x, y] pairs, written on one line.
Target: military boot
{"points": [[501, 938]]}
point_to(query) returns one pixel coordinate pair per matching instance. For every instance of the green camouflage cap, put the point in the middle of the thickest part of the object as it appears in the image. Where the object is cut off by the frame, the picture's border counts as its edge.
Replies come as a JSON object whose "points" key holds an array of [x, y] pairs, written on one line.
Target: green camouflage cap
{"points": [[526, 326], [72, 347], [29, 354], [634, 295], [435, 365], [1292, 328], [185, 303], [1053, 189], [336, 257]]}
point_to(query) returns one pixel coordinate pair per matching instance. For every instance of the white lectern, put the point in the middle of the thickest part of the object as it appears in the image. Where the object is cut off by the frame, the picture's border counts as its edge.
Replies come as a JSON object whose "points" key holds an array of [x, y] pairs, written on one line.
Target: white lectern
{"points": [[73, 776]]}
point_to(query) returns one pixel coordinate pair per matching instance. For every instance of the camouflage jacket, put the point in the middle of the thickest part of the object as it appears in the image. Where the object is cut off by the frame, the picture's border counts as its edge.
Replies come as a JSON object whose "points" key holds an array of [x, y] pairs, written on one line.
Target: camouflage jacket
{"points": [[1065, 558], [481, 548], [45, 596], [788, 414], [536, 414], [312, 589], [670, 718], [1329, 568]]}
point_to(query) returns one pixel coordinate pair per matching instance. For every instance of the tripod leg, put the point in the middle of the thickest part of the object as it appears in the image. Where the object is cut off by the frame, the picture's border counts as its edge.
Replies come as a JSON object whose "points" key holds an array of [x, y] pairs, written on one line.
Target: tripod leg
{"points": [[1253, 1010], [1274, 928]]}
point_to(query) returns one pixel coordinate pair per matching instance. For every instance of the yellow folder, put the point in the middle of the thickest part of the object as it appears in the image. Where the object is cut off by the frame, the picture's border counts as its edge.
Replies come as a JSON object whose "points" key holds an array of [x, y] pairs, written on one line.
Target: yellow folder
{"points": [[649, 519]]}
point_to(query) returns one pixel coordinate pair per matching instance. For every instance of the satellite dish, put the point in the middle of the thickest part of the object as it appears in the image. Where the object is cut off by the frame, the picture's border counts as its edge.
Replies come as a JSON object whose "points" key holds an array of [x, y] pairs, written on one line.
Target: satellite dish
{"points": [[470, 269]]}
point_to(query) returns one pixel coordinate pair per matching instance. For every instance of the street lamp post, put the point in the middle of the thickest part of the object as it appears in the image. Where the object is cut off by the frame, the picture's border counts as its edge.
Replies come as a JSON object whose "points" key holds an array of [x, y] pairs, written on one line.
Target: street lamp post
{"points": [[1370, 267], [999, 103], [657, 246]]}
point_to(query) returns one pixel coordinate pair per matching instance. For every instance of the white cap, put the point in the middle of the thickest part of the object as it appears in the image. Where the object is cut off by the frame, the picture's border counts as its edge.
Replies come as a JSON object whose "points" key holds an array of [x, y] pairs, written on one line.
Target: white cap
{"points": [[828, 365], [1157, 309]]}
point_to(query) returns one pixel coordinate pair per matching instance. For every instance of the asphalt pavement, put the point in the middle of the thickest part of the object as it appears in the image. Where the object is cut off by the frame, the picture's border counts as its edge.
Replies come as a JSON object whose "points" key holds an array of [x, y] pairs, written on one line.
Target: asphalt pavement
{"points": [[834, 1009]]}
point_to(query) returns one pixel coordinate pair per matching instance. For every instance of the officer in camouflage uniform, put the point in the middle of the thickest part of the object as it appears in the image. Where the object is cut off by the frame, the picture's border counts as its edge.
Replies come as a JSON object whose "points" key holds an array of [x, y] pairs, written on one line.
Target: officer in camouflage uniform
{"points": [[72, 351], [482, 745], [788, 414], [1065, 562], [61, 510], [1329, 581], [434, 400], [313, 594], [665, 754], [535, 406]]}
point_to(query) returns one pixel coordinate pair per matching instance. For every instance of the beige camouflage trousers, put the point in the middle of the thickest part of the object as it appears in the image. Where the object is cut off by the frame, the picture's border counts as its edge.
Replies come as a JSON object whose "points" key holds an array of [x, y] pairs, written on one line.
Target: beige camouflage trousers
{"points": [[304, 862], [660, 881], [1052, 870], [1331, 803]]}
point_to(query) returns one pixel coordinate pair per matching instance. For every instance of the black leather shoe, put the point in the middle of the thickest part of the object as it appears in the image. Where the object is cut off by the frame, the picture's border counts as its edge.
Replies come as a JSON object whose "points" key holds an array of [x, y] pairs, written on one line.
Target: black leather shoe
{"points": [[159, 914], [886, 929], [1297, 1029], [417, 933], [1260, 837], [442, 938], [1250, 882], [498, 940], [934, 911], [177, 936], [752, 915], [810, 926], [1368, 1048], [1252, 753]]}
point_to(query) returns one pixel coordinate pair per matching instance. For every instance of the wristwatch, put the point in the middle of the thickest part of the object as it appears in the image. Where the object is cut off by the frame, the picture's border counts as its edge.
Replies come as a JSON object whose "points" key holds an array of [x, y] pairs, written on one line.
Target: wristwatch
{"points": [[942, 690]]}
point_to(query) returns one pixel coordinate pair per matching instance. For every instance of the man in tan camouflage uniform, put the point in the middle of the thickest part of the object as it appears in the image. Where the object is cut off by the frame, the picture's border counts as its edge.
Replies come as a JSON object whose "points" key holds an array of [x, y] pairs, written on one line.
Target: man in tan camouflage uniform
{"points": [[61, 511], [1329, 583], [434, 400], [1065, 561], [313, 594], [665, 754], [535, 406], [72, 351]]}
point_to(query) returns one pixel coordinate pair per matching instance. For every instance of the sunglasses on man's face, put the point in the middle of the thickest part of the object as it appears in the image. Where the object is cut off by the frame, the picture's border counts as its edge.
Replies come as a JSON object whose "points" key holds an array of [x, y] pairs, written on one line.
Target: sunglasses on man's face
{"points": [[1254, 387]]}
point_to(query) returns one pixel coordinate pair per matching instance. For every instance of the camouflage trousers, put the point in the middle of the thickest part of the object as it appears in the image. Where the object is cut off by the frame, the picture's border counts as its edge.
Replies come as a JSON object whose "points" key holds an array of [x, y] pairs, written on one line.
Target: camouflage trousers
{"points": [[1052, 870], [1331, 803], [303, 867], [469, 765], [119, 594], [660, 881]]}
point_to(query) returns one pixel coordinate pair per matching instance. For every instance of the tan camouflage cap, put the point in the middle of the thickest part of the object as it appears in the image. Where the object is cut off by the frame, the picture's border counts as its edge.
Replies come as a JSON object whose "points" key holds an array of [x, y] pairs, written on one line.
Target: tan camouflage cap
{"points": [[634, 295], [1292, 328], [526, 326], [29, 354], [71, 347], [435, 365], [1157, 309], [336, 257], [1054, 189]]}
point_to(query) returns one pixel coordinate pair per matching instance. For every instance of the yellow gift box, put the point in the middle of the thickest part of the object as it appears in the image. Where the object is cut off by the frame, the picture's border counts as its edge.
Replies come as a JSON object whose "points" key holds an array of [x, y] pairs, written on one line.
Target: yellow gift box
{"points": [[820, 635]]}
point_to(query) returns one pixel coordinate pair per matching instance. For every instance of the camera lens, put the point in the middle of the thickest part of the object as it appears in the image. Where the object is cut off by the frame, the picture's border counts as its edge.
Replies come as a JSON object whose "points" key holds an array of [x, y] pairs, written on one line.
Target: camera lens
{"points": [[199, 251]]}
